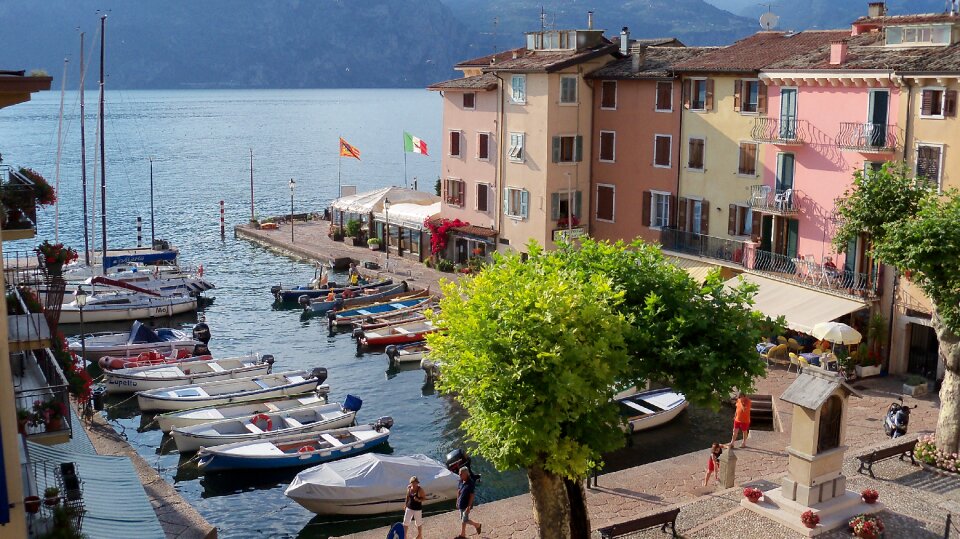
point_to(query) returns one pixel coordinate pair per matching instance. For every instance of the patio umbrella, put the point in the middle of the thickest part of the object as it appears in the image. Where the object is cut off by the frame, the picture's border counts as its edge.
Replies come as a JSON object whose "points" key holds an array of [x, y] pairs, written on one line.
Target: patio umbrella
{"points": [[836, 332]]}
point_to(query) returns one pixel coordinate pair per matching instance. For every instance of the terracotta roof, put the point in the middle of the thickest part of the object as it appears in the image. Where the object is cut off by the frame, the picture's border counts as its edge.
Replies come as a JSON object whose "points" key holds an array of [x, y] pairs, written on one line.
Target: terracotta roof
{"points": [[654, 42], [550, 61], [657, 64], [894, 20], [940, 60], [487, 81], [760, 50], [484, 61], [866, 52], [474, 230]]}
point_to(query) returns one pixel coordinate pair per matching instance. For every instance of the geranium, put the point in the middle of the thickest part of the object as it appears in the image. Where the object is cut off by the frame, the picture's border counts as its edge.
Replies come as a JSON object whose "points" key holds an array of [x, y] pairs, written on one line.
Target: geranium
{"points": [[809, 518], [869, 495], [45, 192], [752, 494], [439, 232], [56, 253], [867, 526], [573, 221], [48, 410]]}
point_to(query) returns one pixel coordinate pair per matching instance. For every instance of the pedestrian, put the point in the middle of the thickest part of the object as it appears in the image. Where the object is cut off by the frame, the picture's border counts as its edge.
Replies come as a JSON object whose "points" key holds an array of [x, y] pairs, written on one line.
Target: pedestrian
{"points": [[465, 497], [413, 507], [354, 274], [741, 419], [713, 464]]}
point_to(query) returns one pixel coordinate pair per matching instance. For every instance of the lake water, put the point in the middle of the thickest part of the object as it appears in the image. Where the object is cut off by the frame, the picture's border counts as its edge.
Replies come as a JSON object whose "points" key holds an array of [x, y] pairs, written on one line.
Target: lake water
{"points": [[200, 143]]}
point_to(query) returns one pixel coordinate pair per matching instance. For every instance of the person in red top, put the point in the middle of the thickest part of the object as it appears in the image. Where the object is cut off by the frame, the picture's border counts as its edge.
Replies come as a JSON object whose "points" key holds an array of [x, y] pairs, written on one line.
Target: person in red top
{"points": [[741, 419], [713, 464]]}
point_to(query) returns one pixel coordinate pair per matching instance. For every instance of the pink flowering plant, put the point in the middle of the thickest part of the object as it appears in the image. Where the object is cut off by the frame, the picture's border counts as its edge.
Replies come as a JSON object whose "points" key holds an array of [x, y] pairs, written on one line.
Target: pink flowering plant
{"points": [[927, 452]]}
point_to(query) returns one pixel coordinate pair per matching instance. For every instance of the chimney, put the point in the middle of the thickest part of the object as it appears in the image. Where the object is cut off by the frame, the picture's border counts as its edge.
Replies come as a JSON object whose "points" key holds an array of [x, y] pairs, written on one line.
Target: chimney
{"points": [[625, 41], [876, 9], [638, 58], [838, 52], [589, 20]]}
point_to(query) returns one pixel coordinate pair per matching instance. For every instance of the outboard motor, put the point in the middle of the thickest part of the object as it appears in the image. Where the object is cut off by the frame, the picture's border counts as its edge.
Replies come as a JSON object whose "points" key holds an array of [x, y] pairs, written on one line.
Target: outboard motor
{"points": [[897, 419], [357, 333], [269, 360], [201, 349], [275, 289], [392, 352], [331, 317], [385, 422], [201, 332], [304, 301], [320, 373], [457, 459]]}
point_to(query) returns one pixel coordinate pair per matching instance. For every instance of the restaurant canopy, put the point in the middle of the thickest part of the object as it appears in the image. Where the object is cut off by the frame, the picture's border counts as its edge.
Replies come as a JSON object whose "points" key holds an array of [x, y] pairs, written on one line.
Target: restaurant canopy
{"points": [[372, 201], [408, 215], [802, 307]]}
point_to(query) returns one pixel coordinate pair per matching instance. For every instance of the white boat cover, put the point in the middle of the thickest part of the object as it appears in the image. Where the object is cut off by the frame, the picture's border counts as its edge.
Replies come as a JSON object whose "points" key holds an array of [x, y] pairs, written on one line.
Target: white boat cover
{"points": [[370, 476], [372, 201], [409, 215]]}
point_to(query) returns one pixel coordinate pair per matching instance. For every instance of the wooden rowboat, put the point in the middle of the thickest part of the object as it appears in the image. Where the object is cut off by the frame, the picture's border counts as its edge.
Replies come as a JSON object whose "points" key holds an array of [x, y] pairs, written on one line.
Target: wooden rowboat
{"points": [[277, 385]]}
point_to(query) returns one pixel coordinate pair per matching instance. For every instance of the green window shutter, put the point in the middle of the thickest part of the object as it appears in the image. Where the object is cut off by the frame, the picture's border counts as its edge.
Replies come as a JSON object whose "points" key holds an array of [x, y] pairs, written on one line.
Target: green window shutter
{"points": [[506, 201], [556, 149], [524, 198], [579, 151], [578, 199], [555, 206]]}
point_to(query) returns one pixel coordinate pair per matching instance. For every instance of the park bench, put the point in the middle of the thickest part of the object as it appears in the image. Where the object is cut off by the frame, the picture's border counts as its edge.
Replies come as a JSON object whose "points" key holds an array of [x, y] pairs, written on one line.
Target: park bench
{"points": [[662, 519], [902, 450]]}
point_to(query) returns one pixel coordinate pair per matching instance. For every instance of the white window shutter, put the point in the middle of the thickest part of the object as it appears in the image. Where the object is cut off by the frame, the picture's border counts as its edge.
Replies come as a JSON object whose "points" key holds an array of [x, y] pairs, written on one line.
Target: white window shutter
{"points": [[524, 203]]}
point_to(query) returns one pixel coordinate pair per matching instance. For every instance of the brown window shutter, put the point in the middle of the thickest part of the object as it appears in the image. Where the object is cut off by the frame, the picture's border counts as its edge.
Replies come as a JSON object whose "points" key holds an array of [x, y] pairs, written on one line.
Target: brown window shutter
{"points": [[686, 94], [756, 224], [737, 88], [672, 217], [709, 99], [732, 220], [950, 103], [645, 210], [705, 218], [682, 214], [926, 103], [761, 97]]}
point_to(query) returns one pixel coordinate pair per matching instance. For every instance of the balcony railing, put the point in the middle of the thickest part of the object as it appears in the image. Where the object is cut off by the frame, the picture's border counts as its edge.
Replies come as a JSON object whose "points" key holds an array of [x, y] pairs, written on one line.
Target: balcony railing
{"points": [[777, 131], [731, 251], [39, 475], [868, 137], [813, 274], [779, 202], [36, 290], [19, 199]]}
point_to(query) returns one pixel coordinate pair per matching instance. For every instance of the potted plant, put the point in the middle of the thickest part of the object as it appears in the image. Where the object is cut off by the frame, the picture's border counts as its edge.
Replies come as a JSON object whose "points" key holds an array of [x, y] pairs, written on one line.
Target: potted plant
{"points": [[31, 504], [51, 496], [444, 265], [54, 255], [752, 494], [915, 385], [51, 413], [44, 192], [866, 366], [24, 418], [810, 519], [867, 526], [374, 244], [869, 495]]}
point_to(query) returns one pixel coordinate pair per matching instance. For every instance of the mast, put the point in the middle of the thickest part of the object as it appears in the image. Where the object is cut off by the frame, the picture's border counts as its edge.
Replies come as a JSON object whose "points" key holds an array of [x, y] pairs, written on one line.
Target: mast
{"points": [[56, 207], [252, 216], [153, 237], [83, 158], [103, 157]]}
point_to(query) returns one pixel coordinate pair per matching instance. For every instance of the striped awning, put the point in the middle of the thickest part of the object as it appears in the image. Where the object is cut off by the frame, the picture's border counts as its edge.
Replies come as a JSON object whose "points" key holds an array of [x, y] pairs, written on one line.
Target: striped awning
{"points": [[696, 268]]}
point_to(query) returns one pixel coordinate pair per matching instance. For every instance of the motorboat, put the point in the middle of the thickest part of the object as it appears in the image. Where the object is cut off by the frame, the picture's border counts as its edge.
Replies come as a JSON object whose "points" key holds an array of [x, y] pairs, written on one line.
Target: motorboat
{"points": [[407, 353], [200, 371], [648, 409], [276, 385], [414, 302], [389, 319], [116, 305], [367, 296], [139, 339], [297, 451], [208, 414], [405, 332], [316, 290], [268, 425], [145, 359], [370, 484]]}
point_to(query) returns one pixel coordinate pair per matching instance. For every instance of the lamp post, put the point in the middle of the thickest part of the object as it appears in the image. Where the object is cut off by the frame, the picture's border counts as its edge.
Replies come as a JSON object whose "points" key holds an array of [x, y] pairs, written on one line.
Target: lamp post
{"points": [[293, 185], [81, 298], [386, 231]]}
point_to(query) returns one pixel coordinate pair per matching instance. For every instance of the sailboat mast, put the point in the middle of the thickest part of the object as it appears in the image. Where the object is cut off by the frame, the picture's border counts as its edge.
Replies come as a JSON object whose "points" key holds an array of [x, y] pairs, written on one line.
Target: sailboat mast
{"points": [[83, 158], [252, 216], [56, 207], [153, 237], [103, 157]]}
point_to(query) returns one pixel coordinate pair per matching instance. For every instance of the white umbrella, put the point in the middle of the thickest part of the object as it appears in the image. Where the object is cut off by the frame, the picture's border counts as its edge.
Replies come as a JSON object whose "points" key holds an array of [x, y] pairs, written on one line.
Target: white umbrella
{"points": [[836, 332]]}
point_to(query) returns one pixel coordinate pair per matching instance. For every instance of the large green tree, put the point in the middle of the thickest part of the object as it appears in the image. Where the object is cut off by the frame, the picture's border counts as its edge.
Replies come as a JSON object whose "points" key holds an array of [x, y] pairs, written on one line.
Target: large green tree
{"points": [[535, 349], [915, 229]]}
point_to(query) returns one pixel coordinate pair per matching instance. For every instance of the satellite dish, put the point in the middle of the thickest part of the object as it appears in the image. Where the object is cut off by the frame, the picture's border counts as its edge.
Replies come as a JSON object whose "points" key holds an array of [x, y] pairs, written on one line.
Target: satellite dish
{"points": [[768, 21]]}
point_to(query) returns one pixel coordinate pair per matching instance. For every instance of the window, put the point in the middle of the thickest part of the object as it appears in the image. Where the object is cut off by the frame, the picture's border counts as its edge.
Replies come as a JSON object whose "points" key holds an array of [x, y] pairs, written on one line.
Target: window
{"points": [[740, 222], [483, 197], [469, 100], [568, 90], [664, 96], [746, 95], [869, 167], [608, 94], [483, 146], [515, 202], [695, 155], [560, 206], [693, 215], [659, 209], [931, 104], [929, 160], [455, 143], [567, 149], [606, 195], [453, 192], [516, 147], [917, 35], [748, 159], [518, 89], [698, 94], [662, 151], [608, 141]]}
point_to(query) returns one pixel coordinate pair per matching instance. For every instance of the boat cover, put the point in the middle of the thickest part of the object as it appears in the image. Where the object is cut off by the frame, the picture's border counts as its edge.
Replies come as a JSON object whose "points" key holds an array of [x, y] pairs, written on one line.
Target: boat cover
{"points": [[140, 334], [370, 476]]}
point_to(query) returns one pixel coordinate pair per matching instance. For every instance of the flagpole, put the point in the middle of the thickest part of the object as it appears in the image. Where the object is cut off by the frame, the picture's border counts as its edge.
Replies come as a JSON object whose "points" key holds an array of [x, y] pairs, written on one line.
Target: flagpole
{"points": [[339, 159], [404, 162]]}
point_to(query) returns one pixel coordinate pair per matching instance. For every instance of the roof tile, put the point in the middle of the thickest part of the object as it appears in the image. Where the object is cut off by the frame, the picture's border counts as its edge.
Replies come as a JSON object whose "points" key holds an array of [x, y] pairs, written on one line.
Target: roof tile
{"points": [[760, 50]]}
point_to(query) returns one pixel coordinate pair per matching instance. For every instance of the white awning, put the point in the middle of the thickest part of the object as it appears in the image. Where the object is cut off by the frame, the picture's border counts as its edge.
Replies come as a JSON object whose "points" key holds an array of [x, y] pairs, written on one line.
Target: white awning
{"points": [[802, 307], [372, 201], [409, 216]]}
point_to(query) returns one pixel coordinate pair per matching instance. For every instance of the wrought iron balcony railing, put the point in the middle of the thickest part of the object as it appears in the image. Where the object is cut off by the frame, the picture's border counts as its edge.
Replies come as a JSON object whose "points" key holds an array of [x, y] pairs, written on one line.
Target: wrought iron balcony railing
{"points": [[730, 251], [777, 130], [868, 137], [765, 199], [809, 272]]}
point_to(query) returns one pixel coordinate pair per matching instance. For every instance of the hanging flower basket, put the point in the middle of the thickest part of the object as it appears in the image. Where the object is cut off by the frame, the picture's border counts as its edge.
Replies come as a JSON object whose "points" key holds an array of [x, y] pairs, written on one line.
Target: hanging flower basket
{"points": [[54, 255]]}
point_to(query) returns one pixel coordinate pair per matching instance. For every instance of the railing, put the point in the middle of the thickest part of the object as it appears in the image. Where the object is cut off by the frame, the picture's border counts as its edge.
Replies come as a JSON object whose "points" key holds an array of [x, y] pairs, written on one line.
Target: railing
{"points": [[39, 475], [19, 199], [23, 272], [812, 274], [731, 251], [54, 394], [781, 201], [868, 137], [777, 130]]}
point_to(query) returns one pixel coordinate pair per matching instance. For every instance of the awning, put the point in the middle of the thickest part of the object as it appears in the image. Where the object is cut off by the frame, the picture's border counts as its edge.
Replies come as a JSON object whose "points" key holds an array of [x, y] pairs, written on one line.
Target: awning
{"points": [[697, 269], [409, 216], [802, 307], [372, 201]]}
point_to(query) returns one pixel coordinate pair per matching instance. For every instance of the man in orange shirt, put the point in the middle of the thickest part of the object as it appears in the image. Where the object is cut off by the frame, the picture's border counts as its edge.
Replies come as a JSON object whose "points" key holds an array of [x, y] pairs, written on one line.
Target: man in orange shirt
{"points": [[741, 419]]}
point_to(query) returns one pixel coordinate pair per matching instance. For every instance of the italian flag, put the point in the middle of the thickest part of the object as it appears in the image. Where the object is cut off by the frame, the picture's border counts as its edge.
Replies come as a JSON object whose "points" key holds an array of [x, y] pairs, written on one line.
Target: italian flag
{"points": [[413, 144]]}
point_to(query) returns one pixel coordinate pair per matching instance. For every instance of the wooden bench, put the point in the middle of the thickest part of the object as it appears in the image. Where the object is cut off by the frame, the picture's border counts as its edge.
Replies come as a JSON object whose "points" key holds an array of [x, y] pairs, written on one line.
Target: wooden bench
{"points": [[662, 519], [901, 450]]}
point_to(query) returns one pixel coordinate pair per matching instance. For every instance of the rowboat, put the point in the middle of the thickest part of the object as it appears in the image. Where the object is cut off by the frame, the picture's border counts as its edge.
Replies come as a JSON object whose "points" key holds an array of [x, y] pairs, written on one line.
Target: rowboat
{"points": [[649, 409], [395, 317], [139, 339], [402, 333], [207, 414], [276, 385], [367, 297], [295, 451], [407, 353], [112, 306], [145, 359], [268, 425], [187, 372], [370, 484], [315, 291], [412, 302]]}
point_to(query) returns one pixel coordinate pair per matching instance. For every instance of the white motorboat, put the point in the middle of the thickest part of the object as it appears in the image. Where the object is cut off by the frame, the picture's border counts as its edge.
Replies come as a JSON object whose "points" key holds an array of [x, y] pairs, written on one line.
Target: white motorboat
{"points": [[197, 416], [112, 306], [407, 353], [268, 425], [276, 385], [201, 371], [138, 340], [370, 484], [648, 409]]}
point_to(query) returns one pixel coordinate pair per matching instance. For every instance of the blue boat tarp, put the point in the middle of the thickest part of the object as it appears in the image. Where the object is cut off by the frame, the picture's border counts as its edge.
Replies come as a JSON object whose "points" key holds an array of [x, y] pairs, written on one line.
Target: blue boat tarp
{"points": [[141, 256]]}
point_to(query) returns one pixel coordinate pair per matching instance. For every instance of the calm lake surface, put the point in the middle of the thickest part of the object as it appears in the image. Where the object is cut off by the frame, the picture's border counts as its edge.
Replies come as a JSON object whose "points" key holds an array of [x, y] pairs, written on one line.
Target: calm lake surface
{"points": [[200, 143]]}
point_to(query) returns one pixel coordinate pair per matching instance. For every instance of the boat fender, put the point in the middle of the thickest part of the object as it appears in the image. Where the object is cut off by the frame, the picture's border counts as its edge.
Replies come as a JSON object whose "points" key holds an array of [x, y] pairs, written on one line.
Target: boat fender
{"points": [[201, 332], [385, 422], [357, 333], [306, 449], [320, 373], [304, 301], [262, 417]]}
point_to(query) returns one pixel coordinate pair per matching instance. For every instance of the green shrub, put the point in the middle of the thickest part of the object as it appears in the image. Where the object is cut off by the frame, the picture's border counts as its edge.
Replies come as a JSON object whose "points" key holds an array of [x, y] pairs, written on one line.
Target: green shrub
{"points": [[353, 227], [915, 380]]}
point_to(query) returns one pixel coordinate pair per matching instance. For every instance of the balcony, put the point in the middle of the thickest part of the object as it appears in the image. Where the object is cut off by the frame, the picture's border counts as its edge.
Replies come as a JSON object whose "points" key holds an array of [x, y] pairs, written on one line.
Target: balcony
{"points": [[807, 272], [678, 241], [777, 131], [40, 475], [765, 199], [868, 137], [19, 199], [38, 382]]}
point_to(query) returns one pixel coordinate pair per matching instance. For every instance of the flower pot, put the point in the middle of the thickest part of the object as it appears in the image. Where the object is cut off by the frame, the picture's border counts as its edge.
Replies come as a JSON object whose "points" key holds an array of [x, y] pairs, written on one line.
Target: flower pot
{"points": [[915, 391], [54, 424], [55, 268], [51, 501], [22, 426], [31, 504], [374, 246], [867, 370]]}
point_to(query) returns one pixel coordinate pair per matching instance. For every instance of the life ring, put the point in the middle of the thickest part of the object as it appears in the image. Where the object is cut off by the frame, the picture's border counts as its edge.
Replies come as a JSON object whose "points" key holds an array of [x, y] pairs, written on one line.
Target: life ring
{"points": [[306, 449], [264, 417]]}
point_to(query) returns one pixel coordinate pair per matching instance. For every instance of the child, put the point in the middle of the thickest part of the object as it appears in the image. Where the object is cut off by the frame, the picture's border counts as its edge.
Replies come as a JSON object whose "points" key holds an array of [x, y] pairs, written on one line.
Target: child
{"points": [[713, 464]]}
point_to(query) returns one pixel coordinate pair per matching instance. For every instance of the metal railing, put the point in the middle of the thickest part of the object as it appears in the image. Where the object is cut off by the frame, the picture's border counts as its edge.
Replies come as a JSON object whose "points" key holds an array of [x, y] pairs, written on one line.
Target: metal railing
{"points": [[19, 199], [768, 200], [867, 137], [777, 130], [808, 272], [55, 392], [40, 475], [24, 274], [691, 243]]}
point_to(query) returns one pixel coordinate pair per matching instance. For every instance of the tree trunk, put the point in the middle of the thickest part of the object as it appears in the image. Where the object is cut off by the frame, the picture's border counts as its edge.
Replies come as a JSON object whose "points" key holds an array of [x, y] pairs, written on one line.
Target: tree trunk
{"points": [[948, 423], [559, 506]]}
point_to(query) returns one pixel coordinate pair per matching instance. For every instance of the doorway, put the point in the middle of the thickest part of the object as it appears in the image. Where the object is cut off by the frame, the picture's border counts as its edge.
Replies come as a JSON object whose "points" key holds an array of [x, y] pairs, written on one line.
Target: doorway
{"points": [[877, 118], [924, 351], [788, 113]]}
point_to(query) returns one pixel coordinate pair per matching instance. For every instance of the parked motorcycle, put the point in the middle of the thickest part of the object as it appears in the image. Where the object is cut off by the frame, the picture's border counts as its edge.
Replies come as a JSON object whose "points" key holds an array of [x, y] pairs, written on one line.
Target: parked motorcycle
{"points": [[897, 419]]}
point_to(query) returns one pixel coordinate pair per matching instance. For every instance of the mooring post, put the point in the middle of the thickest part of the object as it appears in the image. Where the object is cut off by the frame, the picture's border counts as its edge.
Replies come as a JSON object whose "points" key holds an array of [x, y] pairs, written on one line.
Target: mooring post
{"points": [[222, 229], [139, 232], [728, 468]]}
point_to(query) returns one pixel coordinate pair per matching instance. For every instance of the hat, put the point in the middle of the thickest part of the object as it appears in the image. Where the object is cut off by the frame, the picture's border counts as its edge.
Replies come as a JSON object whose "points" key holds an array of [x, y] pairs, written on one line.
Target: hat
{"points": [[414, 479]]}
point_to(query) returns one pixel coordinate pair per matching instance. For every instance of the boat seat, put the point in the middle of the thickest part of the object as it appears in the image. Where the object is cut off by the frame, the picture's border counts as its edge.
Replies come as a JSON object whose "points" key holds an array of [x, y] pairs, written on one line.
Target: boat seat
{"points": [[253, 428], [330, 440], [364, 312], [295, 379], [215, 367], [403, 331], [261, 383], [272, 407], [292, 423], [637, 407]]}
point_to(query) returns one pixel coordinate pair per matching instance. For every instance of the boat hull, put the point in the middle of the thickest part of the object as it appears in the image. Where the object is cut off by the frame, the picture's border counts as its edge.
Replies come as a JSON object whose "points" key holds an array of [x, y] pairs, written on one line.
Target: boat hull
{"points": [[369, 506], [184, 418], [150, 402], [188, 442], [128, 383], [71, 315], [322, 306], [292, 295], [212, 460]]}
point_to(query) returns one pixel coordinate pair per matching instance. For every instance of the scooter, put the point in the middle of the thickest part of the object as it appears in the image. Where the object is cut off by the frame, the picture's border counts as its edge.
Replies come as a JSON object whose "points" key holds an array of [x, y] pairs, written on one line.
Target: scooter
{"points": [[897, 419]]}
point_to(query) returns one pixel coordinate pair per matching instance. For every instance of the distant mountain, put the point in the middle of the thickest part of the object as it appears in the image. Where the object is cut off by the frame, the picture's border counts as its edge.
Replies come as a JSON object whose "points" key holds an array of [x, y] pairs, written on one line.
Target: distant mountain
{"points": [[827, 14]]}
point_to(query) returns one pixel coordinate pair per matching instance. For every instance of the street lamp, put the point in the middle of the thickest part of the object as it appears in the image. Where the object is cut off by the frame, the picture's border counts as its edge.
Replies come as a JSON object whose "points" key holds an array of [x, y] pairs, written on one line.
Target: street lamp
{"points": [[386, 233], [81, 298], [293, 185]]}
